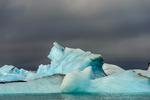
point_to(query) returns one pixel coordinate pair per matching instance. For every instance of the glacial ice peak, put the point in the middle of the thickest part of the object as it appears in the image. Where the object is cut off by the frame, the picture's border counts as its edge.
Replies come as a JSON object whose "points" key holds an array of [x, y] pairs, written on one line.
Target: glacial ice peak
{"points": [[56, 51], [65, 60]]}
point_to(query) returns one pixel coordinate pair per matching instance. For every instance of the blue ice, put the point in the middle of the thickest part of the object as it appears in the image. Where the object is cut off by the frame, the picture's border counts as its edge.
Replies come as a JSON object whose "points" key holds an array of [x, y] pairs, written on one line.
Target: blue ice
{"points": [[66, 60], [74, 70], [9, 69], [120, 82]]}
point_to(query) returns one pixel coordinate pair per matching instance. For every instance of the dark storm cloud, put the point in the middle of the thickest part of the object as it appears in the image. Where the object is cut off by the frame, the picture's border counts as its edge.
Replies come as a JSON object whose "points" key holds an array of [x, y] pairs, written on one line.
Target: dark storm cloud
{"points": [[118, 29]]}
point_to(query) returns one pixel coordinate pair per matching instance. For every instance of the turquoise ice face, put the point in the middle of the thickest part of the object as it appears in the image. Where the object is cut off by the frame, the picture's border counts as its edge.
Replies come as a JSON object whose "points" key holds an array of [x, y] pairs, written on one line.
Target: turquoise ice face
{"points": [[65, 60]]}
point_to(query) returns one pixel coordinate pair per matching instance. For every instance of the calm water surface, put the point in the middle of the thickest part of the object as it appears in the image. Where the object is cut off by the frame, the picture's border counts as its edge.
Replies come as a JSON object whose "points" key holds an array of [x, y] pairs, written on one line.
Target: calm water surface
{"points": [[76, 97]]}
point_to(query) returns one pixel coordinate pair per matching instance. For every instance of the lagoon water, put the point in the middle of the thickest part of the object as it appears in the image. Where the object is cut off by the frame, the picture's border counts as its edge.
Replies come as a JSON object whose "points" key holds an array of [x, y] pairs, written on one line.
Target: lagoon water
{"points": [[78, 96]]}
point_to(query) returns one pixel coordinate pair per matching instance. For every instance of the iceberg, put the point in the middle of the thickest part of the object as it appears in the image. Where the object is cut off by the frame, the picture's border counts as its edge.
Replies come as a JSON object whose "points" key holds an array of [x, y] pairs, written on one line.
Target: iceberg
{"points": [[74, 70], [63, 61]]}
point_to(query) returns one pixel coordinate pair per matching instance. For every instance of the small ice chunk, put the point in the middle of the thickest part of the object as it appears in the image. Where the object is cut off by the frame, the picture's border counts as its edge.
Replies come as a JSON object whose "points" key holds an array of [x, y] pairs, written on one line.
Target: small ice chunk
{"points": [[111, 69], [9, 69], [11, 73]]}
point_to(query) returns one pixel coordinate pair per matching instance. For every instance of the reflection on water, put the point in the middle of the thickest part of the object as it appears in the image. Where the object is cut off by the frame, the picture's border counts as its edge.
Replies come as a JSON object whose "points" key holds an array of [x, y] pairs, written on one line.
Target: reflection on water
{"points": [[76, 97]]}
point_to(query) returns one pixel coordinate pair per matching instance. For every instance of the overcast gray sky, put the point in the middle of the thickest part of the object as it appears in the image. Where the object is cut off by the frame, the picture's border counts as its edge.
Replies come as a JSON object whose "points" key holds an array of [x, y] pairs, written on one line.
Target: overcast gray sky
{"points": [[117, 29]]}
